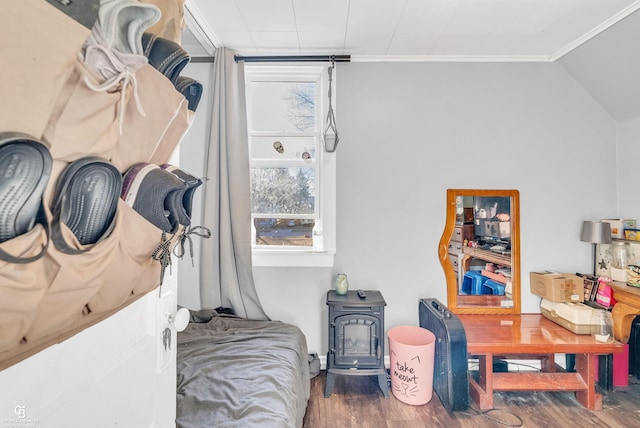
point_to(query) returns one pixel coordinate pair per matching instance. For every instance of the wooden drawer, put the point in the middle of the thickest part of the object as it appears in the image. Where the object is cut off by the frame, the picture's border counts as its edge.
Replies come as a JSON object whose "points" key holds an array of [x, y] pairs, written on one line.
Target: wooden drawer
{"points": [[454, 262], [455, 247], [462, 232]]}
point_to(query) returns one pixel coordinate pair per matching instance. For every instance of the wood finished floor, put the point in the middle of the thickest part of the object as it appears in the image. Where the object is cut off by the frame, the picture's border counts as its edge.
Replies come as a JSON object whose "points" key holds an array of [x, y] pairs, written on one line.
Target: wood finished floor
{"points": [[357, 402]]}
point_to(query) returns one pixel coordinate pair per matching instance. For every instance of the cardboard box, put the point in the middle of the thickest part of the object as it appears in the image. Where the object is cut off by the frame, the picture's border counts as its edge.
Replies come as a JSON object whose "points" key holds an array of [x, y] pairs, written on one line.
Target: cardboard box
{"points": [[494, 229], [618, 225], [557, 287]]}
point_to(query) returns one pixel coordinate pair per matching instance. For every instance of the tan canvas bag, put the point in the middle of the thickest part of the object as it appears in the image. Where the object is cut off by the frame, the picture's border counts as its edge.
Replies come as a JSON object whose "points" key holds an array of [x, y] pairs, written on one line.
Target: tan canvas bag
{"points": [[173, 136], [161, 128], [38, 48], [84, 122], [22, 286], [132, 269], [171, 22], [78, 279]]}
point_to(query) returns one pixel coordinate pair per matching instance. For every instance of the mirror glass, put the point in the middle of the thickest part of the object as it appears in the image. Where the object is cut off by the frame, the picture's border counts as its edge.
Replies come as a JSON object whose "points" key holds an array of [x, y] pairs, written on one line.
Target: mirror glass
{"points": [[480, 251]]}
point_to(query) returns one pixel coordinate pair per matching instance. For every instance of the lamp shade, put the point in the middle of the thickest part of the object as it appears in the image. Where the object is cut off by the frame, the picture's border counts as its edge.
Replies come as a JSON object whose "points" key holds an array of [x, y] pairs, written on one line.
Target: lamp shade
{"points": [[596, 232]]}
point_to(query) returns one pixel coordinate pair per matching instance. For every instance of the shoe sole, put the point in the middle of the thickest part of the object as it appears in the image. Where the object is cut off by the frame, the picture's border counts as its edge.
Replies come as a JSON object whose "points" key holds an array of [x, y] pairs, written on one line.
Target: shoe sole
{"points": [[25, 168], [87, 198]]}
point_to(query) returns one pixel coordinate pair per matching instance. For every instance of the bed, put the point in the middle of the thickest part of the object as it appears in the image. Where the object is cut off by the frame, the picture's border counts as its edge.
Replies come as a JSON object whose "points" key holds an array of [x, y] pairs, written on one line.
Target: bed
{"points": [[235, 372]]}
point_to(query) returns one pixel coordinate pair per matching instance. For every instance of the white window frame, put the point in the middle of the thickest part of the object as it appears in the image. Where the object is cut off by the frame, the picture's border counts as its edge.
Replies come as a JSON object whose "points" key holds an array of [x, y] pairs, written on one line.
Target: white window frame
{"points": [[324, 247]]}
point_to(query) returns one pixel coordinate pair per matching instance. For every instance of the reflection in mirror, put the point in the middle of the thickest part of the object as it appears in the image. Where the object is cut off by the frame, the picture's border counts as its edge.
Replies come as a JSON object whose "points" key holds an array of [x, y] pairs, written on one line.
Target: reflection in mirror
{"points": [[480, 251]]}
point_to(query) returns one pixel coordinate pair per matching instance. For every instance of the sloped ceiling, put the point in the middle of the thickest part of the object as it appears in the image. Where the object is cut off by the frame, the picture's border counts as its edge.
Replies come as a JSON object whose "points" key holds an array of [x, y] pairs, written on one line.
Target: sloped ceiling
{"points": [[608, 67]]}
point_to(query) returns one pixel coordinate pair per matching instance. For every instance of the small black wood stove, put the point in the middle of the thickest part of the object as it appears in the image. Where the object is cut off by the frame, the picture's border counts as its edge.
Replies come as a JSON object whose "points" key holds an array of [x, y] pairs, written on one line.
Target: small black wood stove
{"points": [[356, 337]]}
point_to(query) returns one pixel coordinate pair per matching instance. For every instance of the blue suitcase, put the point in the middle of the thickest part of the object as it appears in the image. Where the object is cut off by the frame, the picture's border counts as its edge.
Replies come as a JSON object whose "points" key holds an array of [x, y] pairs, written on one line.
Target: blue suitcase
{"points": [[451, 371]]}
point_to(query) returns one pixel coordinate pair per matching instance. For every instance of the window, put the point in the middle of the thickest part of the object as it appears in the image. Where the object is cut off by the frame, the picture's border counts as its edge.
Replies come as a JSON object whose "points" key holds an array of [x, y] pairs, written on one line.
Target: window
{"points": [[292, 177]]}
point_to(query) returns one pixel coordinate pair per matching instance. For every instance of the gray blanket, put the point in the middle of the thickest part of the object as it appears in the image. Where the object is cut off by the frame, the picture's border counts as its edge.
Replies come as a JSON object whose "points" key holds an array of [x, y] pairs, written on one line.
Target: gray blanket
{"points": [[234, 372]]}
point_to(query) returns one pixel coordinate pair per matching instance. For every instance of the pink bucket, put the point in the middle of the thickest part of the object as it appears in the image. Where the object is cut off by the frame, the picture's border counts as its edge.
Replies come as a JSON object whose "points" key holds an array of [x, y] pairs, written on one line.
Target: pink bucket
{"points": [[411, 354]]}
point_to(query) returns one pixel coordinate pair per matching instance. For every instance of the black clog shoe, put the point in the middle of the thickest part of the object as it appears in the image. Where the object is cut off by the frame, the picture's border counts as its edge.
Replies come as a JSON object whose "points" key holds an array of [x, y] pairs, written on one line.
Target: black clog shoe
{"points": [[25, 168], [86, 201]]}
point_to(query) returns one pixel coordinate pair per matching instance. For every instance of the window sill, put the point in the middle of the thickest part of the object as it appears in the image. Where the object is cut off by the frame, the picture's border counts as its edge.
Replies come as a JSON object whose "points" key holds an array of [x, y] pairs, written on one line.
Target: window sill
{"points": [[287, 258]]}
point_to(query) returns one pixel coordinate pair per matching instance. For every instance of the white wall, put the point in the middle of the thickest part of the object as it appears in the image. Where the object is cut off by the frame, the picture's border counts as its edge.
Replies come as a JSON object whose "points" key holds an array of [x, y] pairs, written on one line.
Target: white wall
{"points": [[409, 131], [627, 171], [192, 149]]}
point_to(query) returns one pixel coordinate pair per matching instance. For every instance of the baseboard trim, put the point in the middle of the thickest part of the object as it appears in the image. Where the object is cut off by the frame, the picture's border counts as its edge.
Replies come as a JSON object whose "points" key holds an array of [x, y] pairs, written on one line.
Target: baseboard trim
{"points": [[519, 365]]}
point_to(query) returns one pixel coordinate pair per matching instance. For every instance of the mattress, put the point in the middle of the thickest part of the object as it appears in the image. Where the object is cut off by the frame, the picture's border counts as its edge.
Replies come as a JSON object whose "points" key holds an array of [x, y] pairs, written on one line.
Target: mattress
{"points": [[234, 372]]}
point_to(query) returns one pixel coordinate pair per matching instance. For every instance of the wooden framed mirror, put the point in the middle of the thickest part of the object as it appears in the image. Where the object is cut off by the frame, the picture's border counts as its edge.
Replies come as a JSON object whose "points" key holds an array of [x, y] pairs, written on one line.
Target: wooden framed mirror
{"points": [[480, 251]]}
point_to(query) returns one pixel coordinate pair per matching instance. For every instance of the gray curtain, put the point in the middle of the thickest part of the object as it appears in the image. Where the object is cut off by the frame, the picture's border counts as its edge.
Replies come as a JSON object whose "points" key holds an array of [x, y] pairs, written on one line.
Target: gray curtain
{"points": [[226, 276]]}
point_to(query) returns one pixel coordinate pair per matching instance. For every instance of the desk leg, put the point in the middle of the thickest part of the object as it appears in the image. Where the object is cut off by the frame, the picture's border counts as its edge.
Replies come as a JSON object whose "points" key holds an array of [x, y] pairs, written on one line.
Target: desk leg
{"points": [[548, 363], [570, 362], [585, 366], [482, 391], [605, 372]]}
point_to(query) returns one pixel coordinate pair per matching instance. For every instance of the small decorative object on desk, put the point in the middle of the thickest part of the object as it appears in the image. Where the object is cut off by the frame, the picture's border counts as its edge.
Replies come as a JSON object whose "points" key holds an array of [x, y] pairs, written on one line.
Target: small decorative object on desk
{"points": [[342, 284]]}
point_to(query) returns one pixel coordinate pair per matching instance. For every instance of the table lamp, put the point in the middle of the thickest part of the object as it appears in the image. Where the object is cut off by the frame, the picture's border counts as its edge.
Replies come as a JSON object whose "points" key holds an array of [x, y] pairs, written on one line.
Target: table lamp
{"points": [[596, 232]]}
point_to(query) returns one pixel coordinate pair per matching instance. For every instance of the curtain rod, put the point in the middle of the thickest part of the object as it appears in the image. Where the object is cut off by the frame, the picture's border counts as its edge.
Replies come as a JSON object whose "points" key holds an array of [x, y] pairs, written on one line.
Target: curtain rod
{"points": [[202, 59], [295, 58]]}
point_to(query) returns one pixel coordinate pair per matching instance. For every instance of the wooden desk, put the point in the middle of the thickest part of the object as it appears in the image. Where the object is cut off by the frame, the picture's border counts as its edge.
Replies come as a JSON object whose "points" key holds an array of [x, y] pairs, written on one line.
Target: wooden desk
{"points": [[486, 255], [531, 336], [625, 310]]}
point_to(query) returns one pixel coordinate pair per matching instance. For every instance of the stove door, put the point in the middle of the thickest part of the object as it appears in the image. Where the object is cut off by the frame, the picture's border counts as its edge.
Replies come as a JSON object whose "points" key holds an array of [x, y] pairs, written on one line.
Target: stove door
{"points": [[357, 341]]}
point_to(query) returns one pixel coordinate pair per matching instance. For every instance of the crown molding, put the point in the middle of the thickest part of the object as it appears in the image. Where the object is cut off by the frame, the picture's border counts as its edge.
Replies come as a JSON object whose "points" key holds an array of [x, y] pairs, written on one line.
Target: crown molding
{"points": [[449, 58]]}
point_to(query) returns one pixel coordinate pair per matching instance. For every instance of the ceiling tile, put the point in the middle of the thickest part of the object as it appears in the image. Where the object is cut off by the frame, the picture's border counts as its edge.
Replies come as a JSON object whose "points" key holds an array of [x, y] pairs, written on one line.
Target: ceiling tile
{"points": [[264, 40], [472, 18], [239, 41], [267, 15], [528, 19], [221, 15], [456, 45], [412, 44], [319, 16], [368, 43], [442, 28], [363, 18], [326, 42], [421, 16]]}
